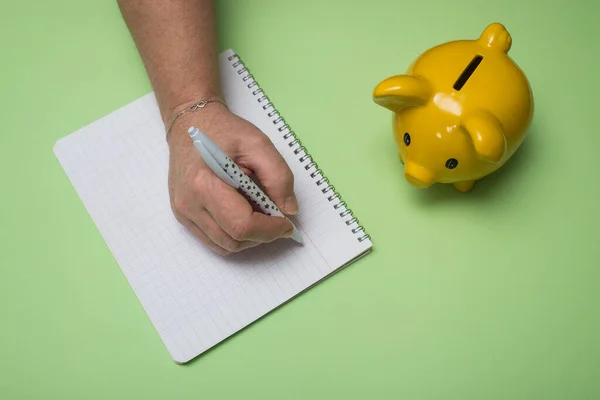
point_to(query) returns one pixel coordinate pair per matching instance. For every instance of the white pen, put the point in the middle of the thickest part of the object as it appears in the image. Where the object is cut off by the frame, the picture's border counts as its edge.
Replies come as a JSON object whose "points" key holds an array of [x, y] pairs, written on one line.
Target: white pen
{"points": [[230, 172]]}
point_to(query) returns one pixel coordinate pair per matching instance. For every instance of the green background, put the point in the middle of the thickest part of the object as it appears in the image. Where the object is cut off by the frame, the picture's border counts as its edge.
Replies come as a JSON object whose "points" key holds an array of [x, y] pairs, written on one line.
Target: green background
{"points": [[489, 295]]}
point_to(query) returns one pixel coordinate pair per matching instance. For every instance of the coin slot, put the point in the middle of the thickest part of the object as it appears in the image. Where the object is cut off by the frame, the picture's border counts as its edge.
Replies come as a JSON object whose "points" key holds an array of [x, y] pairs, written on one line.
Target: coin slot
{"points": [[466, 74]]}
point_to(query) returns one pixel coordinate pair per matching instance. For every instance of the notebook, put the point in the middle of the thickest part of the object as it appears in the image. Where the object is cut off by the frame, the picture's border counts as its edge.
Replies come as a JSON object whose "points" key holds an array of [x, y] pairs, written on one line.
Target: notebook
{"points": [[195, 298]]}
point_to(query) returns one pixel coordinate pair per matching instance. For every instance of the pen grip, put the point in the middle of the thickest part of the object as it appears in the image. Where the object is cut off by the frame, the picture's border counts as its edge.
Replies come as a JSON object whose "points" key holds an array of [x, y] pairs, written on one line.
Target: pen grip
{"points": [[256, 196], [231, 173], [252, 191]]}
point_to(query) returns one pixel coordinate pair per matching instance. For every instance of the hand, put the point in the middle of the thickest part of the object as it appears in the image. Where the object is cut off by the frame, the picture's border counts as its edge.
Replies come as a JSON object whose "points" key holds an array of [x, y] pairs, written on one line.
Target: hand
{"points": [[216, 213]]}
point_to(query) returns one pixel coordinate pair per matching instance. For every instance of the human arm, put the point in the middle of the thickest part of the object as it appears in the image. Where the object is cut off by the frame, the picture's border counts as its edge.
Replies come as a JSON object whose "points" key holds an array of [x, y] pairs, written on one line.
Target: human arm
{"points": [[177, 42]]}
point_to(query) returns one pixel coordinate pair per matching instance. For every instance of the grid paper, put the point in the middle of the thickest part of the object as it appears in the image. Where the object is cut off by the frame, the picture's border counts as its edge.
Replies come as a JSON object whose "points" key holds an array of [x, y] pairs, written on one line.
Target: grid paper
{"points": [[195, 298]]}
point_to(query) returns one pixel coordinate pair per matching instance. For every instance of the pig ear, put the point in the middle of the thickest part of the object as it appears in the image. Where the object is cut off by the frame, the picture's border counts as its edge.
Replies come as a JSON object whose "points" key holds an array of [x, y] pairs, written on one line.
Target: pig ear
{"points": [[401, 91], [487, 136], [497, 37]]}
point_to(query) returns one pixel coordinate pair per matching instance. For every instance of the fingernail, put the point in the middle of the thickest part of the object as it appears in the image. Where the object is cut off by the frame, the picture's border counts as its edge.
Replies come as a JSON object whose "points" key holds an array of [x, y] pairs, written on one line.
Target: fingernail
{"points": [[288, 233], [291, 205]]}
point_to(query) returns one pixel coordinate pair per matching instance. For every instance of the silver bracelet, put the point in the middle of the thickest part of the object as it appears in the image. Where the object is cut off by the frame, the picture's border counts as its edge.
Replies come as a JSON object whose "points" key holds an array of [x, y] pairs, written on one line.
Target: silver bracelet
{"points": [[196, 106]]}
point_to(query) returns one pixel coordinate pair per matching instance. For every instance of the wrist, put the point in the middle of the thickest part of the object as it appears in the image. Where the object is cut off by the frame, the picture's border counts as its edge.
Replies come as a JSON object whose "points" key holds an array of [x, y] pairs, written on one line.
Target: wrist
{"points": [[184, 101], [202, 117]]}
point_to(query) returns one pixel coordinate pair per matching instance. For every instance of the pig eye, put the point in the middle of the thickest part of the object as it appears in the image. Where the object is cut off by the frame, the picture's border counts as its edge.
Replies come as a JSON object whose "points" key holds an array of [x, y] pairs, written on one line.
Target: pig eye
{"points": [[452, 163], [407, 139]]}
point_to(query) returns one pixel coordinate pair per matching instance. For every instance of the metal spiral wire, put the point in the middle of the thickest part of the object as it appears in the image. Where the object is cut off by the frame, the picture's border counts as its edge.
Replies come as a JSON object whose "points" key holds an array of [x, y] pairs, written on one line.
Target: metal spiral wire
{"points": [[296, 144]]}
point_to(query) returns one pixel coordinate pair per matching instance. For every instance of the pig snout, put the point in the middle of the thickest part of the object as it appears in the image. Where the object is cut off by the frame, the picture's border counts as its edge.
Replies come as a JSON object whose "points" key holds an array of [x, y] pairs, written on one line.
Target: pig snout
{"points": [[418, 176]]}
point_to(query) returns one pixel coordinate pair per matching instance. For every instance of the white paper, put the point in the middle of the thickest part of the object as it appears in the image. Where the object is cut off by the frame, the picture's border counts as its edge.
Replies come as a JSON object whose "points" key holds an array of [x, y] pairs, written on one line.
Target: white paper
{"points": [[195, 298]]}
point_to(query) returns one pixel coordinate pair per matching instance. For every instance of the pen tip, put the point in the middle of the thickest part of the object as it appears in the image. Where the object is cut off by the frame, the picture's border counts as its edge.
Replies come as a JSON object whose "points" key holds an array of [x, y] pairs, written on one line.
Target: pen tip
{"points": [[297, 237]]}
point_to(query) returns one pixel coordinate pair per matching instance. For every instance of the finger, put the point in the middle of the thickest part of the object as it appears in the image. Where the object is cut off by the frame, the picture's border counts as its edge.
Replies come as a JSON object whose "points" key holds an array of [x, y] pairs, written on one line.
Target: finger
{"points": [[201, 235], [216, 234], [218, 198], [274, 175], [233, 214], [246, 171]]}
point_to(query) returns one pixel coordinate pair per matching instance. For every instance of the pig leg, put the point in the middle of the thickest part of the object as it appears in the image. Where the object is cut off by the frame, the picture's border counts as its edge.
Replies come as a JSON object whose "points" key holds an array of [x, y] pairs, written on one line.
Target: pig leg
{"points": [[464, 186]]}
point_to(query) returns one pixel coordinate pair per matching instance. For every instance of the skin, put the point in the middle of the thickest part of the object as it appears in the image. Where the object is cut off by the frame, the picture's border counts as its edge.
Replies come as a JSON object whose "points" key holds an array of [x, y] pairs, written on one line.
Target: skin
{"points": [[177, 42]]}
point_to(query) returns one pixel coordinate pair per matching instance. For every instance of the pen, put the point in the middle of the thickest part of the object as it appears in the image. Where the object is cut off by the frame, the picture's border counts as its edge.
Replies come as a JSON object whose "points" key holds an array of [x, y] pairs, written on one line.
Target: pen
{"points": [[231, 173]]}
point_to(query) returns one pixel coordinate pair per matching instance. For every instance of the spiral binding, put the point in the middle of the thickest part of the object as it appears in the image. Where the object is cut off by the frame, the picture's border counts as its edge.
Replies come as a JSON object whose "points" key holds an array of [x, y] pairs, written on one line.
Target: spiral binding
{"points": [[310, 164]]}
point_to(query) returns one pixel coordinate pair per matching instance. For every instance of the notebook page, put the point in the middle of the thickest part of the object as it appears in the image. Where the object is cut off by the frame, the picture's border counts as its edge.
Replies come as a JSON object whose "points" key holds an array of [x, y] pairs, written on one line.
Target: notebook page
{"points": [[323, 221], [118, 166]]}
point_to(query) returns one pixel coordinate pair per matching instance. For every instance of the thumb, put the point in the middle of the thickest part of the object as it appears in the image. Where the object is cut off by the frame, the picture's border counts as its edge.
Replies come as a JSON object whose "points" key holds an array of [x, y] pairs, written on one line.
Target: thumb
{"points": [[274, 176]]}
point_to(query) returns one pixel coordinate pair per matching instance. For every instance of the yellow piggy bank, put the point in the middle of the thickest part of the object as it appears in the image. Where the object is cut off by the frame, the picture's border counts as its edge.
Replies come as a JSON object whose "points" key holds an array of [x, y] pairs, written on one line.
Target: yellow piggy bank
{"points": [[460, 112]]}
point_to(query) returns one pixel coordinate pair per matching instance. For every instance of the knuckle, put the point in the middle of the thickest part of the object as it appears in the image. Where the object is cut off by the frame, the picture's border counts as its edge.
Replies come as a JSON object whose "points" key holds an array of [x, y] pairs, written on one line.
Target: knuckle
{"points": [[199, 180], [180, 204], [179, 217], [288, 176], [198, 185], [261, 139], [289, 173], [240, 230], [285, 179]]}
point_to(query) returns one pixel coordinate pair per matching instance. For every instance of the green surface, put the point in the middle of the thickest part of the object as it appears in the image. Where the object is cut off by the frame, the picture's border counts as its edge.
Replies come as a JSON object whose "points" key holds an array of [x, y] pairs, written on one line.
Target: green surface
{"points": [[489, 295]]}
